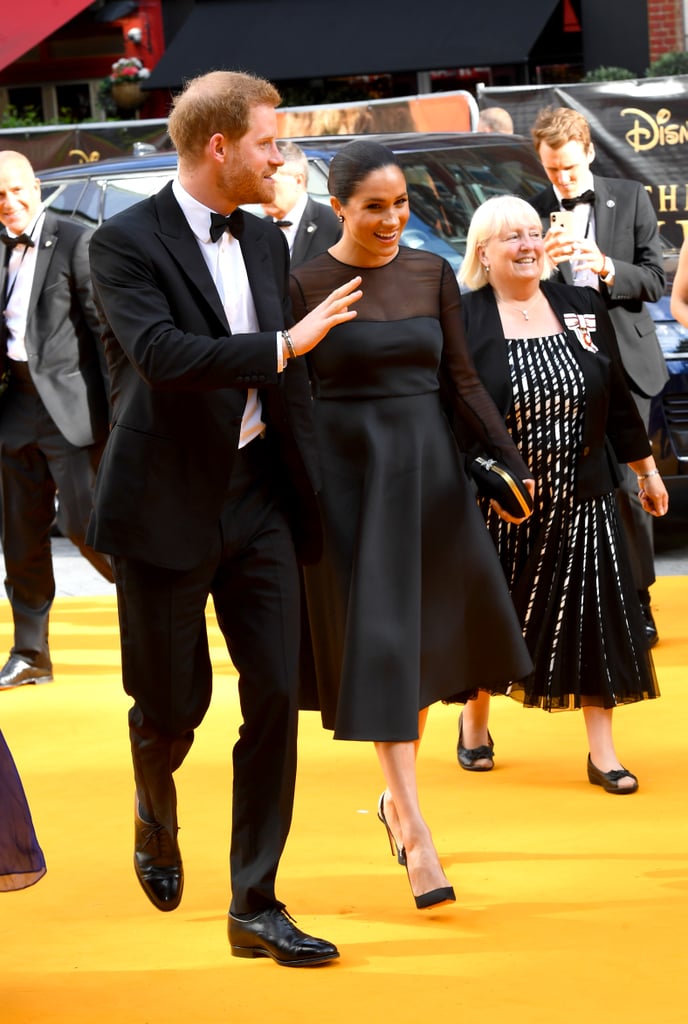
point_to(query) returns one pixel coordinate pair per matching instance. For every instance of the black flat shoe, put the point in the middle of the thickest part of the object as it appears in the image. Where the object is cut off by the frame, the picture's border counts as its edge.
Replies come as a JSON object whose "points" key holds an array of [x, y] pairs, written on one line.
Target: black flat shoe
{"points": [[272, 933], [651, 634], [467, 756], [157, 863], [397, 850], [610, 780]]}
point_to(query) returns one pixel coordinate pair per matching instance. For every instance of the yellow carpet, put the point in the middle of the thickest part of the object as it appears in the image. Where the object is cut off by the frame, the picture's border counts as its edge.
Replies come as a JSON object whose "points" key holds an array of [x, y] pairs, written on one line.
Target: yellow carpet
{"points": [[572, 904]]}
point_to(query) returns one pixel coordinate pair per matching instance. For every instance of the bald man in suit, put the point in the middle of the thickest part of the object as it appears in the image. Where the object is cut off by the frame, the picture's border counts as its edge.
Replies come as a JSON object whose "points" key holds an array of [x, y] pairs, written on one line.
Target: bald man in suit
{"points": [[54, 411], [308, 226]]}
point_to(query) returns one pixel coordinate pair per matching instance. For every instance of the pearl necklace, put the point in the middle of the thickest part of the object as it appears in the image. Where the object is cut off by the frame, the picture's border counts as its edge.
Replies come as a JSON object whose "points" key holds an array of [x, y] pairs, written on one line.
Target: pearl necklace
{"points": [[524, 312]]}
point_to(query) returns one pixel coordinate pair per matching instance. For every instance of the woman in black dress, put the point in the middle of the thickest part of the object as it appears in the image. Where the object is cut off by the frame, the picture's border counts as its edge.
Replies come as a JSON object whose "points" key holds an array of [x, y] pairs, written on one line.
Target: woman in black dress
{"points": [[547, 354], [409, 591]]}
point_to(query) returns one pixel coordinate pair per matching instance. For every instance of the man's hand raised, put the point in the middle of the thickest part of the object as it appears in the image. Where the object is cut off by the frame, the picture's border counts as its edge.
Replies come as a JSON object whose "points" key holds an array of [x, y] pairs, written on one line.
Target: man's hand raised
{"points": [[333, 310]]}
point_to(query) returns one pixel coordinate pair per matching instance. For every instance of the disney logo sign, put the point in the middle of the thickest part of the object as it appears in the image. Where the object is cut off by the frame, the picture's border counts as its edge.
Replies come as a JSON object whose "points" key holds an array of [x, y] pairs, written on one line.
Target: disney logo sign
{"points": [[648, 132]]}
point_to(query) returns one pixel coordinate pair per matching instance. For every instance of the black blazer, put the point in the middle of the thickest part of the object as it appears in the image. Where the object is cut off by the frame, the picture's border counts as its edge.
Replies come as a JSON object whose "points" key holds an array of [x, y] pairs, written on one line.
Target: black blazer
{"points": [[610, 412], [318, 229], [65, 356], [179, 382], [626, 231]]}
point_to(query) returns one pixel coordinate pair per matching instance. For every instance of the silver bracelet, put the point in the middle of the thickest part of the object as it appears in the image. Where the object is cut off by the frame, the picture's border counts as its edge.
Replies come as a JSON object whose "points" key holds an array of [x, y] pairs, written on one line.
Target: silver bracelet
{"points": [[644, 476], [286, 337]]}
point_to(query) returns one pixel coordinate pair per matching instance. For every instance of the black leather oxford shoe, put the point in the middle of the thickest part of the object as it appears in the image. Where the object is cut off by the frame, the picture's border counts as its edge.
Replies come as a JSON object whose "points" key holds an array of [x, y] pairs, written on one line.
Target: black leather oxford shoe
{"points": [[18, 671], [272, 933], [158, 864]]}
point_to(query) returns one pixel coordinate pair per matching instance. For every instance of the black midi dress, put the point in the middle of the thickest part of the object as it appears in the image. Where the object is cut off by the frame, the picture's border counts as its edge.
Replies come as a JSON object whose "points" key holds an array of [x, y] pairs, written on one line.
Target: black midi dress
{"points": [[408, 604]]}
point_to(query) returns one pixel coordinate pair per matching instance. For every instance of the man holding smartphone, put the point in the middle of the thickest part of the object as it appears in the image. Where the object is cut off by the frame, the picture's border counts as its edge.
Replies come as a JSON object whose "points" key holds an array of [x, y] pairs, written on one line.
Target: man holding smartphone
{"points": [[609, 242]]}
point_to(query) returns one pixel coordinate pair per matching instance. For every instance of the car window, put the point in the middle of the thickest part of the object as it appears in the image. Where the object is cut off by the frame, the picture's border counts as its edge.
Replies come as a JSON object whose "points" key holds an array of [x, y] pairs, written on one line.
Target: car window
{"points": [[446, 187], [80, 199], [123, 192]]}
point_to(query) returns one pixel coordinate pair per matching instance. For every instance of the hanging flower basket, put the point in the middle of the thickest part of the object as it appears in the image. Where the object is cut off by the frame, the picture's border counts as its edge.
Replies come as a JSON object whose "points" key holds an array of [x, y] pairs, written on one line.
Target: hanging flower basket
{"points": [[128, 95], [122, 86]]}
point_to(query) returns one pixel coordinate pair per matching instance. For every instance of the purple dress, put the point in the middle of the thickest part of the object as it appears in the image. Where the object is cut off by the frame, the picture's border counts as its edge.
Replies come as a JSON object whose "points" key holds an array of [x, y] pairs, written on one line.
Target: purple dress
{"points": [[21, 858]]}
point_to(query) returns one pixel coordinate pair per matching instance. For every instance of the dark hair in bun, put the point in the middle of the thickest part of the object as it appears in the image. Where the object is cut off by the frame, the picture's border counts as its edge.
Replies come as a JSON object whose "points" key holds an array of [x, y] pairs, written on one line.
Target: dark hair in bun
{"points": [[354, 162]]}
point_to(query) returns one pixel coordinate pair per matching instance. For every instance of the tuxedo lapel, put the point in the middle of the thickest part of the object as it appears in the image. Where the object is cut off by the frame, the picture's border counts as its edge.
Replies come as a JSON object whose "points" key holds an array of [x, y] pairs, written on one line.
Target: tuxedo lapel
{"points": [[605, 215], [180, 241], [304, 236], [258, 262], [44, 255]]}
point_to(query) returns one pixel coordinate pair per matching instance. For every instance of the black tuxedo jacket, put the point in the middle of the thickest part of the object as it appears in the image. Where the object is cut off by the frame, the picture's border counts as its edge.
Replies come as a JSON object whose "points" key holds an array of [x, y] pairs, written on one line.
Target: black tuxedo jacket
{"points": [[65, 356], [318, 229], [611, 416], [179, 381], [626, 231]]}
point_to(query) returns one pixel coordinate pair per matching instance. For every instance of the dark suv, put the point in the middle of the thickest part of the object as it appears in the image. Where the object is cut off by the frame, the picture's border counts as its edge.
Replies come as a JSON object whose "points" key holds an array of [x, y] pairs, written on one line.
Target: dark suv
{"points": [[448, 176]]}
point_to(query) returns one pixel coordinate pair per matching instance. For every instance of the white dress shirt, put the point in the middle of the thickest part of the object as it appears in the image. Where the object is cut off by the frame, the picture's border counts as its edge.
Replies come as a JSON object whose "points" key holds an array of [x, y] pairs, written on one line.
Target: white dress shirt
{"points": [[583, 227], [228, 270], [19, 282]]}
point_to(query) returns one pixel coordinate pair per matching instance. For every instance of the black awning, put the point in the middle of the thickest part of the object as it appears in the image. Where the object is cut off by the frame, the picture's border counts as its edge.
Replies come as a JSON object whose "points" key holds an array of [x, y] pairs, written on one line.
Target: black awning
{"points": [[314, 39]]}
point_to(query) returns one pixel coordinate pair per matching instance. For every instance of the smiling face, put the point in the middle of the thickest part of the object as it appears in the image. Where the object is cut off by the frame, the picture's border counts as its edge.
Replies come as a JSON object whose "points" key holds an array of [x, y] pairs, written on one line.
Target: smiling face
{"points": [[246, 169], [568, 166], [515, 255], [374, 218], [20, 192]]}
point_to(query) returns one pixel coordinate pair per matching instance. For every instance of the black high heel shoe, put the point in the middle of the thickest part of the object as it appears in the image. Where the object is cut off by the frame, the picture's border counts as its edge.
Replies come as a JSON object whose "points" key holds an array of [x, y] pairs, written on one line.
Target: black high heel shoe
{"points": [[467, 756], [397, 850], [434, 898]]}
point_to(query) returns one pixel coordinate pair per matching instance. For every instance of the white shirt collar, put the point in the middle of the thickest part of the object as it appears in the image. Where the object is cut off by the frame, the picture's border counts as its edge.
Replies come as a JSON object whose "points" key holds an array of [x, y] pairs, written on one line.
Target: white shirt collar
{"points": [[296, 212], [197, 215]]}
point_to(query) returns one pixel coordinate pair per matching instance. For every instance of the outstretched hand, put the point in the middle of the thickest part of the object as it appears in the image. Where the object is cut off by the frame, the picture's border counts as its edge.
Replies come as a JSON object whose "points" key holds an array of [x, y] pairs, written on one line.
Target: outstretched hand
{"points": [[333, 310]]}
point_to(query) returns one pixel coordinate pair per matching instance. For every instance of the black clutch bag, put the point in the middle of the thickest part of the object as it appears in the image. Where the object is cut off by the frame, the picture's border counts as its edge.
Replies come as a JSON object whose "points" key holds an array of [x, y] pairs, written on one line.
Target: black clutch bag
{"points": [[494, 480]]}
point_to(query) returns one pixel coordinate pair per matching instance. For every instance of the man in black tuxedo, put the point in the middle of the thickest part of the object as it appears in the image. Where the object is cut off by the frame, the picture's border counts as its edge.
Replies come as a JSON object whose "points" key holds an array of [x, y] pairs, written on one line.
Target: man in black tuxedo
{"points": [[616, 249], [208, 484], [54, 409], [309, 227]]}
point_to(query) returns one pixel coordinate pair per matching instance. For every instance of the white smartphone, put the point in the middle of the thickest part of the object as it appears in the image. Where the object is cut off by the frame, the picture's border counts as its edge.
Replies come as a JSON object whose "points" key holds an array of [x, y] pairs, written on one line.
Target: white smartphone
{"points": [[562, 219]]}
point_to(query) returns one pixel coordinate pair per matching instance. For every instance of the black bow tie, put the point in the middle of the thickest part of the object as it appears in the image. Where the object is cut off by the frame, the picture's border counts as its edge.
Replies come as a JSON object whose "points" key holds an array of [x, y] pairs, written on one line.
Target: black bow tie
{"points": [[220, 224], [283, 223], [13, 240], [586, 197]]}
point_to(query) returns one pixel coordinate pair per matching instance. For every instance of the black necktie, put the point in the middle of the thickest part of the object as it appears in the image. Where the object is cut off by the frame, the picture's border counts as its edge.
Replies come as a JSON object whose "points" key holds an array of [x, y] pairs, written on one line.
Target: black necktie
{"points": [[586, 197], [220, 224], [283, 223], [13, 240]]}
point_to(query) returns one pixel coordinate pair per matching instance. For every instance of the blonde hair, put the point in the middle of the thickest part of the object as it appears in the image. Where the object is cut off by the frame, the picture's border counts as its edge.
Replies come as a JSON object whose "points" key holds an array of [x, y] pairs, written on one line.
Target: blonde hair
{"points": [[490, 219], [220, 101]]}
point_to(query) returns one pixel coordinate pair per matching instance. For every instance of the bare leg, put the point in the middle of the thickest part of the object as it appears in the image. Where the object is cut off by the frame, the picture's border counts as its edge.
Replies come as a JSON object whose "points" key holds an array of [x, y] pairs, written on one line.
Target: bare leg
{"points": [[474, 721], [598, 723], [398, 761]]}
